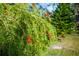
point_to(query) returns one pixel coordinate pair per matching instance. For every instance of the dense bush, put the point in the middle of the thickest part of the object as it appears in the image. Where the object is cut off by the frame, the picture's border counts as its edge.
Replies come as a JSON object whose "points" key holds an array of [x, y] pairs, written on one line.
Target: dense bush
{"points": [[22, 32], [64, 18]]}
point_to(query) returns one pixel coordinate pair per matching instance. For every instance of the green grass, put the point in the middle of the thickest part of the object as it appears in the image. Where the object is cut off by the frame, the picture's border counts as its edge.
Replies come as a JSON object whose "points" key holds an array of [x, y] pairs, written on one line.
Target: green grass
{"points": [[70, 44]]}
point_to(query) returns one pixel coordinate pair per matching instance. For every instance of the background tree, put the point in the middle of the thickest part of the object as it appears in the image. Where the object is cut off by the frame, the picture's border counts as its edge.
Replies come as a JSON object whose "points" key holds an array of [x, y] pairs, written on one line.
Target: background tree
{"points": [[63, 18]]}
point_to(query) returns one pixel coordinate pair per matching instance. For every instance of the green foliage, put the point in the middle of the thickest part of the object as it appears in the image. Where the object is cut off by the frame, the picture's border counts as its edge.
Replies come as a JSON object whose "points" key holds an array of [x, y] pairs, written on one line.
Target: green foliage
{"points": [[22, 32], [63, 18]]}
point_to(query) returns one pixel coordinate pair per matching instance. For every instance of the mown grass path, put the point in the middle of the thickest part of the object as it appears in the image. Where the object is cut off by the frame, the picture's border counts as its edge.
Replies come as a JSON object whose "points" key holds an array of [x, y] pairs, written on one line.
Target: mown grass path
{"points": [[68, 47]]}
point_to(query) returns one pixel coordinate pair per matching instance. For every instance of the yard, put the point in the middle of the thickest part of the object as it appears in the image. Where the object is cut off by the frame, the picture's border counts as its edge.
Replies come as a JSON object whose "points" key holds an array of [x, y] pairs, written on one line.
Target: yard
{"points": [[70, 46], [31, 30]]}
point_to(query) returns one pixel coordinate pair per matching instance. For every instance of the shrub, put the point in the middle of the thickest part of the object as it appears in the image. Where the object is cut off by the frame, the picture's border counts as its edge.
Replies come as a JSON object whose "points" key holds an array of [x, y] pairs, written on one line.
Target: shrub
{"points": [[24, 33]]}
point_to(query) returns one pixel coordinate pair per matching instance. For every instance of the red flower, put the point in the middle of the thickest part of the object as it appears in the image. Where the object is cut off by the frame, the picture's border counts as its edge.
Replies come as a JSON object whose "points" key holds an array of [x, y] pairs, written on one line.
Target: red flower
{"points": [[29, 39], [46, 14], [49, 35], [33, 4]]}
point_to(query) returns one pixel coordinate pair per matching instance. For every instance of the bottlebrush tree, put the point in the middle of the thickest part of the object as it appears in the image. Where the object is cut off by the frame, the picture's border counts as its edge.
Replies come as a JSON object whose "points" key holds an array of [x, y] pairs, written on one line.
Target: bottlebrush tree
{"points": [[22, 32]]}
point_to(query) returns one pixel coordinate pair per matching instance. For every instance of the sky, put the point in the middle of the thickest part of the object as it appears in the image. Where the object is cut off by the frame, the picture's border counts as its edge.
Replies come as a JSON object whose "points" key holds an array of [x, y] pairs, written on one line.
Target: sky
{"points": [[50, 8]]}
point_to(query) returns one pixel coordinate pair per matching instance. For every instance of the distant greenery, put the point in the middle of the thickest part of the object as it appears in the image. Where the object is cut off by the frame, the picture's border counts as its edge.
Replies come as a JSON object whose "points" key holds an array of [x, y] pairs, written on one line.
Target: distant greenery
{"points": [[64, 18]]}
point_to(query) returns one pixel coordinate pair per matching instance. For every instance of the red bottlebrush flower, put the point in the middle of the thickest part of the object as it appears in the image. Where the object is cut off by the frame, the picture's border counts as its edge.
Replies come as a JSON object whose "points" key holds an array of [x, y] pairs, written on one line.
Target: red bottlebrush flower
{"points": [[46, 14], [33, 4], [29, 39], [49, 35]]}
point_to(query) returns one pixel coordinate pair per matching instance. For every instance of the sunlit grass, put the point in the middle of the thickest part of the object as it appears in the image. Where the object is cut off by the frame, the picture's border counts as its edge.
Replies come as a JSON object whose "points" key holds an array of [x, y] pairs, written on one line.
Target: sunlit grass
{"points": [[71, 47]]}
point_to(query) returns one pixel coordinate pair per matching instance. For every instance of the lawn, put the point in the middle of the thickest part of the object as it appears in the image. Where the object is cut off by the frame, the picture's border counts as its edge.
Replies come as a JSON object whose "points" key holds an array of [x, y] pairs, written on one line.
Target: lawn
{"points": [[70, 46]]}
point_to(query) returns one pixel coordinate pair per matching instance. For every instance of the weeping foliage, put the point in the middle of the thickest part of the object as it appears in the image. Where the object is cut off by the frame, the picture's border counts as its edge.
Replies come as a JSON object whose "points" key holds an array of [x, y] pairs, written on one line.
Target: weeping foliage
{"points": [[22, 32]]}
